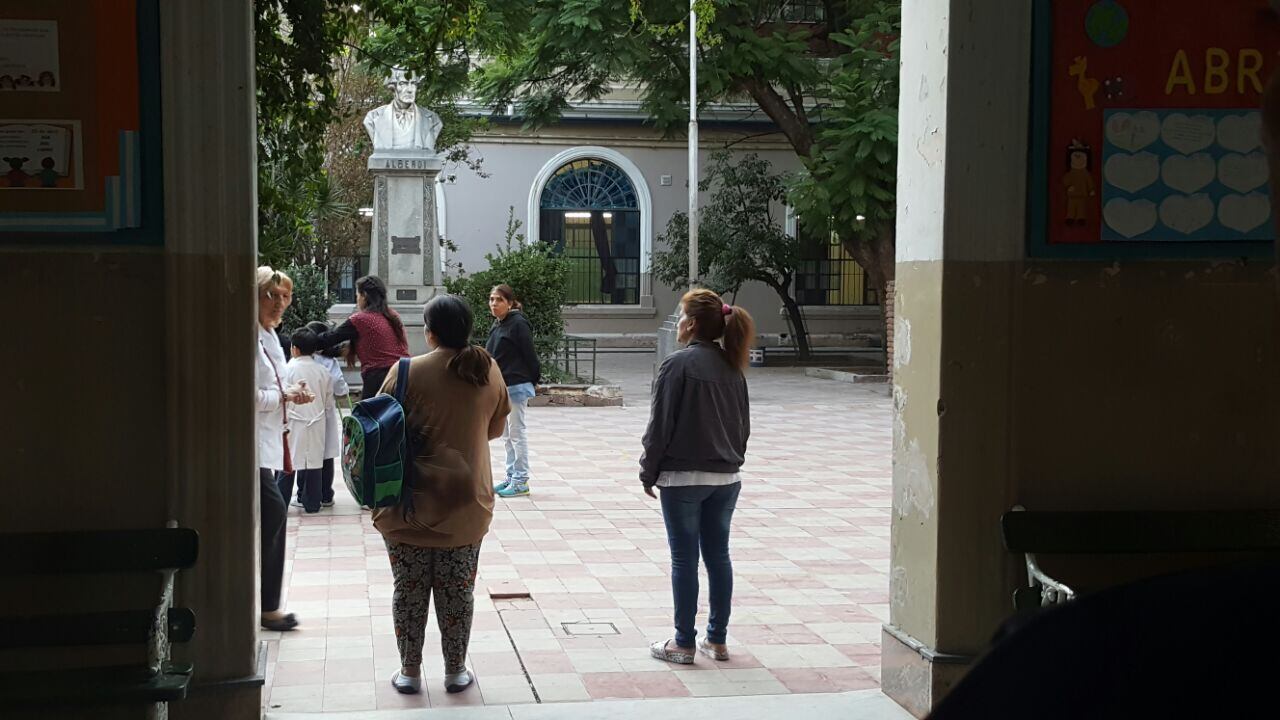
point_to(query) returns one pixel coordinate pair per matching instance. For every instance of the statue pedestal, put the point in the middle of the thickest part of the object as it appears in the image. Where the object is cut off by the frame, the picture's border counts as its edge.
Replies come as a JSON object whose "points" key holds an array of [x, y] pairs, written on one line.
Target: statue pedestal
{"points": [[405, 246]]}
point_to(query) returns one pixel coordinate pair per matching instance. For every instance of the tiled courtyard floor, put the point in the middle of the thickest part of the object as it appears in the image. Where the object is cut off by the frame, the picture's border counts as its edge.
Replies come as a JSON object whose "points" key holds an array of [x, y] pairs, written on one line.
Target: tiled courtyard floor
{"points": [[810, 550]]}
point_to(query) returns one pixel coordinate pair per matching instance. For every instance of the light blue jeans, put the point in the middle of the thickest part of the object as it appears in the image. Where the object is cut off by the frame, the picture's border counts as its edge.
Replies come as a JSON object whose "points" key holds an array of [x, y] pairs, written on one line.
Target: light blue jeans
{"points": [[517, 441]]}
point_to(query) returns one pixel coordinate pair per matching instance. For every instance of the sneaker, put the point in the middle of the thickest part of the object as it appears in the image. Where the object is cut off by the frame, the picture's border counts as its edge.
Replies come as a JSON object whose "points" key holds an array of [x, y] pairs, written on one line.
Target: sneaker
{"points": [[297, 503], [498, 487], [457, 682], [407, 684], [514, 490], [326, 503]]}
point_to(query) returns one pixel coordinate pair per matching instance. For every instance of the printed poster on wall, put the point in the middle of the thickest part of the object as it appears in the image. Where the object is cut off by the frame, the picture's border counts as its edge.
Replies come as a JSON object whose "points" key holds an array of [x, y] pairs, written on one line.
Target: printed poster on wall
{"points": [[29, 56], [1147, 122], [40, 155]]}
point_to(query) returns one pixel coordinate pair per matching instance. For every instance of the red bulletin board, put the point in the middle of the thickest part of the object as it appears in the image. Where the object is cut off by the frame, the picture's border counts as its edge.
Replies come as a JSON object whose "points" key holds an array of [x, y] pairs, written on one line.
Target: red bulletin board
{"points": [[1146, 126]]}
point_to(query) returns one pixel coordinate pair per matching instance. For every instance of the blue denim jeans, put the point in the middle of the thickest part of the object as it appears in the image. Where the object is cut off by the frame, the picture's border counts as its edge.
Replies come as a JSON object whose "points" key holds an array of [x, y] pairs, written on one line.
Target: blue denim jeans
{"points": [[698, 516], [514, 435]]}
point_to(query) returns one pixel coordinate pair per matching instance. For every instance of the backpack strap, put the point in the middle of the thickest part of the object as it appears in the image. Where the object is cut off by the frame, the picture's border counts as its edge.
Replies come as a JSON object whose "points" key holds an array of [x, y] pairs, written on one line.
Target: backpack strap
{"points": [[402, 379], [411, 444]]}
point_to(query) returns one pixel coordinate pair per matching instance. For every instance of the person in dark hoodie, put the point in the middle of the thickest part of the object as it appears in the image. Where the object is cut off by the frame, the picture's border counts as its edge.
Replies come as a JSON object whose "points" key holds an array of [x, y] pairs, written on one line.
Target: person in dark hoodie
{"points": [[693, 448], [511, 345]]}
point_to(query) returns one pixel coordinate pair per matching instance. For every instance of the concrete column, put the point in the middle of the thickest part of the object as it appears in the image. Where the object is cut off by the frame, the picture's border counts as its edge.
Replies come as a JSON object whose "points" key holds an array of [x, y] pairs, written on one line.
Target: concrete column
{"points": [[961, 219], [207, 79]]}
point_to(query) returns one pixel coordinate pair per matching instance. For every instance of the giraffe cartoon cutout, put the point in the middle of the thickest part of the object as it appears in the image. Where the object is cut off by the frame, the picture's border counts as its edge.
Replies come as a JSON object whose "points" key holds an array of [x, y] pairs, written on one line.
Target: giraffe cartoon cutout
{"points": [[1087, 86]]}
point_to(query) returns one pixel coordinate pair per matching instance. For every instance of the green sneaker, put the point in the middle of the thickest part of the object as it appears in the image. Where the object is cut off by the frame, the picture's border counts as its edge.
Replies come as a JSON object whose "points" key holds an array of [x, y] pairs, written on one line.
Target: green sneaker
{"points": [[498, 487], [513, 489]]}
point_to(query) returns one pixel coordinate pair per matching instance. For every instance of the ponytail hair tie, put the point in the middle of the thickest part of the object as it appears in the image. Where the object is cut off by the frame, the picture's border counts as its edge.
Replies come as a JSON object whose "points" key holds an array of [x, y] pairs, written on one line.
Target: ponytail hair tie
{"points": [[726, 309]]}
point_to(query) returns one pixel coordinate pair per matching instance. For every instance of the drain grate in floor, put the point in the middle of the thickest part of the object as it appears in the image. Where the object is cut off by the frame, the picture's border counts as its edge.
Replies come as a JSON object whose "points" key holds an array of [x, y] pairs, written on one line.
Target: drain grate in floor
{"points": [[589, 628]]}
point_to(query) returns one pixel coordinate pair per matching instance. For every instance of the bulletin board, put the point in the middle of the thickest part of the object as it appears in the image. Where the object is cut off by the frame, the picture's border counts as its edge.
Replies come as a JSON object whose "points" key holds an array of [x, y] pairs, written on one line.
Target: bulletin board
{"points": [[1146, 128], [80, 122]]}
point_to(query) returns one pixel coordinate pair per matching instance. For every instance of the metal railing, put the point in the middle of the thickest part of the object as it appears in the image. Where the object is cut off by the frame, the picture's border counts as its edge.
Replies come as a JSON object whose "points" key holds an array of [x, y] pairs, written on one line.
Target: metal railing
{"points": [[577, 353]]}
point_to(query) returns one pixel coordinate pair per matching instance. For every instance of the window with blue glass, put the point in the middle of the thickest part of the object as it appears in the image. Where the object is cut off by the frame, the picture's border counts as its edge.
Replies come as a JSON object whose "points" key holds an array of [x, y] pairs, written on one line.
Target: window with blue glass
{"points": [[590, 215]]}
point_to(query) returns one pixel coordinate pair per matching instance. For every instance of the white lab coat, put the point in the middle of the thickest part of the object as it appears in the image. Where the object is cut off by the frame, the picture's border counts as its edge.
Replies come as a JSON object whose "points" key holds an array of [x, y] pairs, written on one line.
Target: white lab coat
{"points": [[307, 423], [333, 419], [271, 421]]}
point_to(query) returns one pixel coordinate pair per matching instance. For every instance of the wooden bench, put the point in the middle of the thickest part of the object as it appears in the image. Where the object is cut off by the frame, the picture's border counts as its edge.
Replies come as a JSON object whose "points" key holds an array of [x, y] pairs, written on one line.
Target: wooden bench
{"points": [[1035, 533], [113, 552]]}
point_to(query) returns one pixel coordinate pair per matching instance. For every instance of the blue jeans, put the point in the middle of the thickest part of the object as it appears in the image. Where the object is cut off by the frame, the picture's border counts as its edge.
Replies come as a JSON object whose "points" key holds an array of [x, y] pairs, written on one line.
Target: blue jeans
{"points": [[514, 435], [699, 516]]}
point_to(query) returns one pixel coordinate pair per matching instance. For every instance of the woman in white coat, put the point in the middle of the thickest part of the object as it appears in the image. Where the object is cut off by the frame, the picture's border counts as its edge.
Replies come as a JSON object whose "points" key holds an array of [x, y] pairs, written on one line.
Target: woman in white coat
{"points": [[275, 293]]}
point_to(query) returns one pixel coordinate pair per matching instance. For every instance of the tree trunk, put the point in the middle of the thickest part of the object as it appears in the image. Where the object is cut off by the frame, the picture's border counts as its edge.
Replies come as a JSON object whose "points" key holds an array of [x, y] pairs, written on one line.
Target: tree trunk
{"points": [[876, 255], [797, 325]]}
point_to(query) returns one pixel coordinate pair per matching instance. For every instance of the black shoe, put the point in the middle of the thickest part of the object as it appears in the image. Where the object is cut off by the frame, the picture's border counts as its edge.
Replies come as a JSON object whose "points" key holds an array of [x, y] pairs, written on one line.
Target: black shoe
{"points": [[284, 624]]}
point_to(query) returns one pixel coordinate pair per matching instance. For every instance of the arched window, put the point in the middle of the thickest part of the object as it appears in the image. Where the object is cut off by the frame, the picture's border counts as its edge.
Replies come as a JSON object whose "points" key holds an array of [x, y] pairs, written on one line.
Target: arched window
{"points": [[589, 212]]}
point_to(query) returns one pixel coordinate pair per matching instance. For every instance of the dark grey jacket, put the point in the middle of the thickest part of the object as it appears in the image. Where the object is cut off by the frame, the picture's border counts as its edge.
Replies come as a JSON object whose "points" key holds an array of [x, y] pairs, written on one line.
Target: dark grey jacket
{"points": [[511, 345], [700, 419]]}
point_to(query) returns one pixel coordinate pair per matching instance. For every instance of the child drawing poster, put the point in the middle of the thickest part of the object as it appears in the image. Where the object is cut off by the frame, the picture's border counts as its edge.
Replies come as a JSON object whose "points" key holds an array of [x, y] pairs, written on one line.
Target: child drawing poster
{"points": [[1146, 125], [42, 155], [29, 56]]}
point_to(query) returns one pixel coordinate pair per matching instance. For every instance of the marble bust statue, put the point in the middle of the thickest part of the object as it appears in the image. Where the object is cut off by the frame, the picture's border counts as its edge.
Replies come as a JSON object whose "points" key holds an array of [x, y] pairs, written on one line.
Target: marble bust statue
{"points": [[402, 124]]}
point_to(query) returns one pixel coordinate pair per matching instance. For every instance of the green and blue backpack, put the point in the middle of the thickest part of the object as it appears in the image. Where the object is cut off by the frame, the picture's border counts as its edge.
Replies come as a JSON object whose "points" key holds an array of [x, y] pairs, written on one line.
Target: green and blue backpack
{"points": [[377, 451]]}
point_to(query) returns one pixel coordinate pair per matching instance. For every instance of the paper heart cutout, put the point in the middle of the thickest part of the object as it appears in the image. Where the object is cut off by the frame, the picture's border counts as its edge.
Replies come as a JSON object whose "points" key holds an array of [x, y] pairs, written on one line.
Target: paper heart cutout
{"points": [[1188, 134], [1131, 173], [1240, 133], [1130, 219], [1133, 131], [1243, 173], [1244, 212], [1186, 213], [1188, 173]]}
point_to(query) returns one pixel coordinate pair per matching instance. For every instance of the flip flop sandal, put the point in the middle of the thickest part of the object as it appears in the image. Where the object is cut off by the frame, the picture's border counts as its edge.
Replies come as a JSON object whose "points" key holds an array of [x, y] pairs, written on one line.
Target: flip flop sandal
{"points": [[707, 649], [661, 651]]}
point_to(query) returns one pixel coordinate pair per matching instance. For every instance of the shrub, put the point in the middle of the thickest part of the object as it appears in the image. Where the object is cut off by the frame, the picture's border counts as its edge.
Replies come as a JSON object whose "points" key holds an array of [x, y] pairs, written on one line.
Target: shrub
{"points": [[311, 297], [539, 278]]}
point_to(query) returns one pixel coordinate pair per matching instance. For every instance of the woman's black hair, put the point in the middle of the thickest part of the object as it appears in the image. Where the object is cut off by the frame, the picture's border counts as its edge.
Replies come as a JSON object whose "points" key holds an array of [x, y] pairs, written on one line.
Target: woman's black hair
{"points": [[449, 318], [320, 327], [375, 301]]}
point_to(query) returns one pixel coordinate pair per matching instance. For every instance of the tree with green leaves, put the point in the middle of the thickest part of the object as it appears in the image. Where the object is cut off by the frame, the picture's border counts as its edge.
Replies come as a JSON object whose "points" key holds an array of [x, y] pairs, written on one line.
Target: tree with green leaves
{"points": [[540, 279], [824, 73], [850, 179], [741, 238], [319, 64]]}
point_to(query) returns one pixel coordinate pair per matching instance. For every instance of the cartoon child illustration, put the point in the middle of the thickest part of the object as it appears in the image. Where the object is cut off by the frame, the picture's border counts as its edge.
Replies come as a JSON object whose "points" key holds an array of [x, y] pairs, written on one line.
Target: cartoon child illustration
{"points": [[48, 176], [47, 80], [24, 81], [1078, 182], [16, 176]]}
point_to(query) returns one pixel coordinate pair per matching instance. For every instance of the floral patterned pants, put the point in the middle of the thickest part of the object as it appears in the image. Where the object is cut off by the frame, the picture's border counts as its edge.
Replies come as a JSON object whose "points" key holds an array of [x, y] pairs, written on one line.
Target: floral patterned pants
{"points": [[450, 575]]}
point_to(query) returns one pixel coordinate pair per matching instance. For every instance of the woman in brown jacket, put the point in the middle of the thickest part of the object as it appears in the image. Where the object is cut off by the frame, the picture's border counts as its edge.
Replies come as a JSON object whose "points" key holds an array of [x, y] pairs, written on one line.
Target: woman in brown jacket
{"points": [[457, 402]]}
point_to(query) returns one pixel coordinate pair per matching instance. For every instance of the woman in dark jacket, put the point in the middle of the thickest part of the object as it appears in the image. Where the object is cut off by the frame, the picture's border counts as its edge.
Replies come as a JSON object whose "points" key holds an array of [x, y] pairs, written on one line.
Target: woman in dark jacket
{"points": [[376, 335], [693, 448], [511, 345]]}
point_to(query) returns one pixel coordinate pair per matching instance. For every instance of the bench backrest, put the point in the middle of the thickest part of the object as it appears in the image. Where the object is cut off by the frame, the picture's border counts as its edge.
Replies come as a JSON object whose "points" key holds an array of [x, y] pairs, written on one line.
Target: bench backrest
{"points": [[1098, 533], [106, 551]]}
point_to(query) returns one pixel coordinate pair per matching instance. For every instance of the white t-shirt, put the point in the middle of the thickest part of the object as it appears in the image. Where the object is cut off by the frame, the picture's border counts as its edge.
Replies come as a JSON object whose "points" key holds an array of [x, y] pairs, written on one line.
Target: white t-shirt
{"points": [[685, 478]]}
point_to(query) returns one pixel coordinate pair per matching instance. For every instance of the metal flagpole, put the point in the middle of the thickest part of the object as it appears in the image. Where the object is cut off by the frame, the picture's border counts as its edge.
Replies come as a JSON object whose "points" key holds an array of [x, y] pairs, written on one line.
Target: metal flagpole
{"points": [[693, 146]]}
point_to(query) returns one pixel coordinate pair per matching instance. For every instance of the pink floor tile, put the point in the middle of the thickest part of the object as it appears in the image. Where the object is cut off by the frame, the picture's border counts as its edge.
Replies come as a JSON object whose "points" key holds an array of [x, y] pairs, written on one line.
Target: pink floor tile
{"points": [[611, 686], [593, 548]]}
